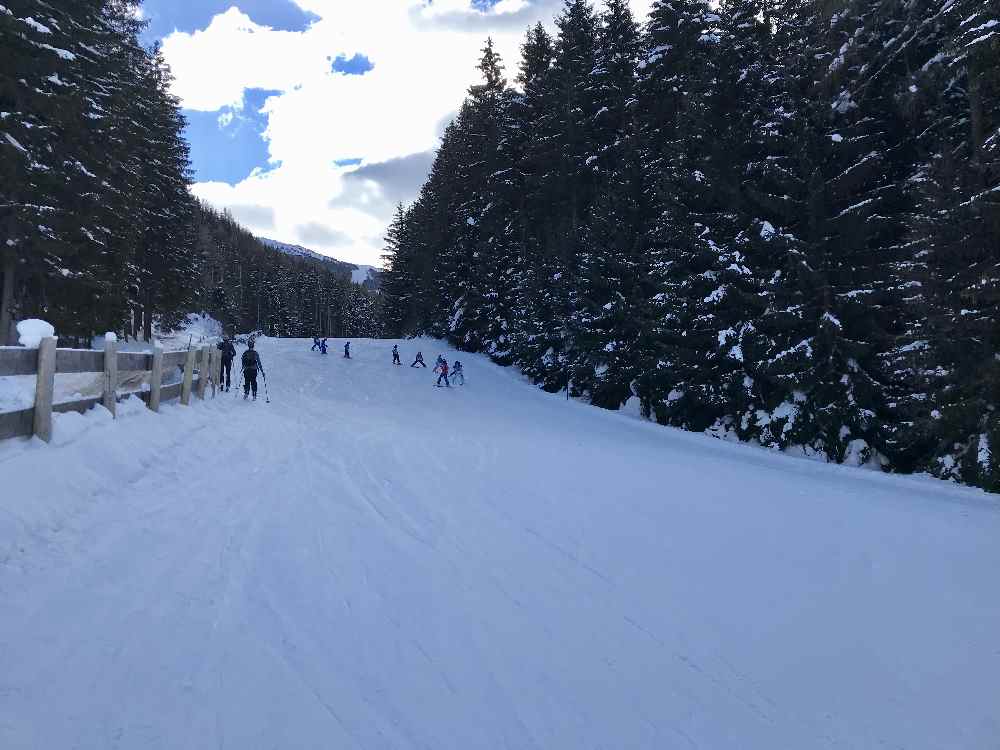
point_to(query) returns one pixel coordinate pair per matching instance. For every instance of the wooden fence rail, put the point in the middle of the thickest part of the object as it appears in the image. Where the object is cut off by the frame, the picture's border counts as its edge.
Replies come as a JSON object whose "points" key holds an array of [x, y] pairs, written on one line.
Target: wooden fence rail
{"points": [[200, 368]]}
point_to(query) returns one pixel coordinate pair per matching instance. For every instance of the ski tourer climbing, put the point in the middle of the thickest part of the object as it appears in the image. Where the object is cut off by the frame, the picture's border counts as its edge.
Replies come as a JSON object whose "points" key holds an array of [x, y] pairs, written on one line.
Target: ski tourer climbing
{"points": [[395, 355], [226, 370], [419, 360], [458, 372], [251, 365], [442, 368], [347, 350]]}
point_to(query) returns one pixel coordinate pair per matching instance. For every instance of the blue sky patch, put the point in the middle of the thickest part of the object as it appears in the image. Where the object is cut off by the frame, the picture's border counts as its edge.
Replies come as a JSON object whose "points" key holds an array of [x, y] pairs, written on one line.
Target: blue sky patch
{"points": [[348, 162], [166, 16], [228, 145], [356, 66]]}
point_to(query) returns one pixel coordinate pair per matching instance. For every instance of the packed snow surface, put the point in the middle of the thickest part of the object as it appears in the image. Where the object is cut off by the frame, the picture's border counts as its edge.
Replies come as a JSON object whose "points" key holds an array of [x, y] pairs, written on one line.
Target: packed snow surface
{"points": [[372, 562]]}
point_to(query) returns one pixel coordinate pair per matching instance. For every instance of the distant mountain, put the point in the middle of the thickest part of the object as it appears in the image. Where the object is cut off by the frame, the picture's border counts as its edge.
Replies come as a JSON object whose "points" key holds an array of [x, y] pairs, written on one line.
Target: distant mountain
{"points": [[366, 276]]}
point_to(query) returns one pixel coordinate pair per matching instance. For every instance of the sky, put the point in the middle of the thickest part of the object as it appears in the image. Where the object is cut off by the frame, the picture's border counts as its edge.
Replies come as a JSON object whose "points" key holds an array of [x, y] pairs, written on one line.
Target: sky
{"points": [[311, 119]]}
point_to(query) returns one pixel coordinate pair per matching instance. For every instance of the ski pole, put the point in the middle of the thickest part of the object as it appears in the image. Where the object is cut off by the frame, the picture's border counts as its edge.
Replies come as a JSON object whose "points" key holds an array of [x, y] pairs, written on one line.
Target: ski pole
{"points": [[267, 396]]}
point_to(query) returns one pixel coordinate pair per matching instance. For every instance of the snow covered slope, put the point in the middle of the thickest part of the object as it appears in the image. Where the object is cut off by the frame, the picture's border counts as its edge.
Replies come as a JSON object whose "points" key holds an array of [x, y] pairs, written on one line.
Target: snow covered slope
{"points": [[372, 562], [359, 274]]}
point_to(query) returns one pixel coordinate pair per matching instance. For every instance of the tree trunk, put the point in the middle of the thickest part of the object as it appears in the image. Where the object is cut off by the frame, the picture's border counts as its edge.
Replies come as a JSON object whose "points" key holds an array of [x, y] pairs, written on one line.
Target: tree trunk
{"points": [[7, 300]]}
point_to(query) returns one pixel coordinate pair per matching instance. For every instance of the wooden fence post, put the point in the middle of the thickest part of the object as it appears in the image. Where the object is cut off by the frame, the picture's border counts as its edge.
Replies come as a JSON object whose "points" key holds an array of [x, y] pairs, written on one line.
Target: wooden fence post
{"points": [[204, 371], [111, 376], [44, 388], [156, 378], [214, 366], [188, 376]]}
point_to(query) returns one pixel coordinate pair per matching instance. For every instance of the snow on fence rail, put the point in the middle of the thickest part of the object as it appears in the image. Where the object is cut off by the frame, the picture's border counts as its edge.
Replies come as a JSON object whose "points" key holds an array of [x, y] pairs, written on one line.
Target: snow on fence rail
{"points": [[46, 361]]}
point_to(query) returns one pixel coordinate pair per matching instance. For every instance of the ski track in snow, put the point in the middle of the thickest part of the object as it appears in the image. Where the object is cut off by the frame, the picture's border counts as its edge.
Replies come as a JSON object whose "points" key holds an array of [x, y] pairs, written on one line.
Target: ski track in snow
{"points": [[371, 562]]}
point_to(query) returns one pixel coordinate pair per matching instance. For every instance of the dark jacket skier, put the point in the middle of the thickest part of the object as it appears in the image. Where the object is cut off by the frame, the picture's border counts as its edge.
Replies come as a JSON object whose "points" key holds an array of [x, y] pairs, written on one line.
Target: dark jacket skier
{"points": [[347, 350], [458, 372], [395, 355], [316, 344], [322, 346], [419, 360], [251, 365], [228, 355]]}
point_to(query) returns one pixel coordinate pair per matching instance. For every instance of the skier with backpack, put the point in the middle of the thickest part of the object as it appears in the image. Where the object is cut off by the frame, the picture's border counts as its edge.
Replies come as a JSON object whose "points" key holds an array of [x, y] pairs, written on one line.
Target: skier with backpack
{"points": [[395, 355], [442, 368], [419, 360], [251, 365], [228, 355]]}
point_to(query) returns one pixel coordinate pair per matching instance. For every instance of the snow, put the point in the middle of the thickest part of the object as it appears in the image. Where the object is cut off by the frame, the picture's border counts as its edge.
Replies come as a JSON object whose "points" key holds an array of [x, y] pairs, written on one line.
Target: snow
{"points": [[110, 338], [31, 332], [39, 27], [371, 562], [361, 274]]}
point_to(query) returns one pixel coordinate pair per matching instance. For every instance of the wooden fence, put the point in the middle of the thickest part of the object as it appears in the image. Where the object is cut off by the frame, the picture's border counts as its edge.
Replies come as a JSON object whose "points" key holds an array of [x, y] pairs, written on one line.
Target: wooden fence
{"points": [[201, 367]]}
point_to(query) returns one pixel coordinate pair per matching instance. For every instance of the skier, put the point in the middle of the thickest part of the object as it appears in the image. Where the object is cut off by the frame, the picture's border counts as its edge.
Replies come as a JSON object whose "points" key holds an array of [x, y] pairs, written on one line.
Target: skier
{"points": [[347, 350], [395, 355], [251, 364], [458, 372], [316, 344], [419, 360], [442, 367], [228, 355], [322, 346]]}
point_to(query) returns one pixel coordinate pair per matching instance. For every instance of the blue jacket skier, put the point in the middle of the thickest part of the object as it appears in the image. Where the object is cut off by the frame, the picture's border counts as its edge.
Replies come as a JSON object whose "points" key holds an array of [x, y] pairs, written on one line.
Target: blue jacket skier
{"points": [[395, 355]]}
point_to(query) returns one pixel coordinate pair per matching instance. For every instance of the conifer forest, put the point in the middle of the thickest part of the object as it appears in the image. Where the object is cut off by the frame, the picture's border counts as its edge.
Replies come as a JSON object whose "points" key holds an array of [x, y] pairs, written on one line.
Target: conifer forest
{"points": [[98, 228], [777, 220]]}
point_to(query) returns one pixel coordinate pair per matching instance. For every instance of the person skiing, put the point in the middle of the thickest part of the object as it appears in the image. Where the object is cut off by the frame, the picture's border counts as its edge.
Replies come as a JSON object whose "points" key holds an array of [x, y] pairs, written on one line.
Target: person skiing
{"points": [[347, 350], [442, 367], [251, 365], [316, 344], [419, 360], [322, 346], [458, 372], [395, 355], [228, 355]]}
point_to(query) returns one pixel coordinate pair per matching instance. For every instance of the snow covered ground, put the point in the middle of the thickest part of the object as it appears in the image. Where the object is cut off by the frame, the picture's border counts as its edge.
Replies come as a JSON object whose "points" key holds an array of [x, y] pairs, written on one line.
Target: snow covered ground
{"points": [[372, 562]]}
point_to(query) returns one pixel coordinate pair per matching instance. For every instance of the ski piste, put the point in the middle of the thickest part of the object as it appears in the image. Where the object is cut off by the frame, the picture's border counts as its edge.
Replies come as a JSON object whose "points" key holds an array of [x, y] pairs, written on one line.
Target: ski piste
{"points": [[364, 564]]}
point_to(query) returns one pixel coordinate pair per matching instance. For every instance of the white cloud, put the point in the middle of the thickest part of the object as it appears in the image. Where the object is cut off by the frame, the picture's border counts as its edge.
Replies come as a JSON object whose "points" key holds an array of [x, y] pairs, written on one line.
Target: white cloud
{"points": [[424, 57]]}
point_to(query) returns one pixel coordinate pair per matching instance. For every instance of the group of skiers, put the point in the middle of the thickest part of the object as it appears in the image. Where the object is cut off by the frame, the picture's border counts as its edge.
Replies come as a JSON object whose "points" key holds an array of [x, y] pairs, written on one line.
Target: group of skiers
{"points": [[320, 344], [441, 367], [250, 363]]}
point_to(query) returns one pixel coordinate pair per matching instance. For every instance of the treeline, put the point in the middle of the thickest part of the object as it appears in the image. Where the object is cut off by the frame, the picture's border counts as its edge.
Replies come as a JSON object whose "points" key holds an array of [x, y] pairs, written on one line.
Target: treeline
{"points": [[98, 229], [778, 219], [249, 286]]}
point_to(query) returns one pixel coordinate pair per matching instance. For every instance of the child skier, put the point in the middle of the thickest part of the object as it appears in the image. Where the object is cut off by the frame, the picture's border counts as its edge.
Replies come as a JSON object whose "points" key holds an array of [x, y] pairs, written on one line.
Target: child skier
{"points": [[457, 372], [442, 367], [419, 360], [395, 355]]}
